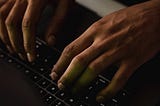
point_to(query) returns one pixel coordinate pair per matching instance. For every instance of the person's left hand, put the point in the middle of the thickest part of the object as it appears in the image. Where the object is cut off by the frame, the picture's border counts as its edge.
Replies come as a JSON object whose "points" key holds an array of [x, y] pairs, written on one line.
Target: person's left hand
{"points": [[18, 24], [128, 37]]}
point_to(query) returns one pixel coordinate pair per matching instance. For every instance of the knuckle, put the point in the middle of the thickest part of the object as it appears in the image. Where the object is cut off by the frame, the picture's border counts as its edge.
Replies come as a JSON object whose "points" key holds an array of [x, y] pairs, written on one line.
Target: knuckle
{"points": [[9, 22], [96, 26], [80, 59], [96, 65], [27, 24], [69, 51]]}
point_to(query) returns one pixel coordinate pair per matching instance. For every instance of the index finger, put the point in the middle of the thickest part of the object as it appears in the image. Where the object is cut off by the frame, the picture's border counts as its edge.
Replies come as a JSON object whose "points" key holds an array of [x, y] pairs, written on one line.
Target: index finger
{"points": [[30, 20]]}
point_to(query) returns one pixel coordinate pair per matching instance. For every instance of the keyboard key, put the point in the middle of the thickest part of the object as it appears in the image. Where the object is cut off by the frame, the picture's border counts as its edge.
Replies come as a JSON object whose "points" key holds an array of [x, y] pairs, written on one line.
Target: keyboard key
{"points": [[49, 99], [71, 101], [18, 66], [80, 104], [47, 75], [58, 103], [102, 104], [61, 94], [2, 56], [27, 72], [35, 77], [41, 70], [52, 88], [10, 60], [43, 83], [42, 92], [120, 97], [49, 61], [112, 104]]}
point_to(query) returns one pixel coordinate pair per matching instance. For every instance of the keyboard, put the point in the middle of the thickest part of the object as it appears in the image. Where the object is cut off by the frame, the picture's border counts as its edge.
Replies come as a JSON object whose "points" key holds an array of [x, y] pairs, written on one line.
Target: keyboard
{"points": [[38, 73]]}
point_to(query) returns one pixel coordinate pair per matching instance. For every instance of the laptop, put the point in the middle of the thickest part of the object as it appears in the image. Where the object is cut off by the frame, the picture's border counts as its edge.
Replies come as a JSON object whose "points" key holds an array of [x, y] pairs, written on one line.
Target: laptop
{"points": [[29, 84]]}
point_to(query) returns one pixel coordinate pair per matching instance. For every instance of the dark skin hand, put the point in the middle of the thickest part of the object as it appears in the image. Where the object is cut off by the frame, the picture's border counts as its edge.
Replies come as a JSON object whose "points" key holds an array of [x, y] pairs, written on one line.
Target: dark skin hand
{"points": [[18, 20], [127, 38]]}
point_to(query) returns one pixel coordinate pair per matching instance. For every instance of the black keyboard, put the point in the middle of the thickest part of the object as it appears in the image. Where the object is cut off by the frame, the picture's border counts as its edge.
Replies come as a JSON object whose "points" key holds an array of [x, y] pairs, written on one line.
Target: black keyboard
{"points": [[38, 72]]}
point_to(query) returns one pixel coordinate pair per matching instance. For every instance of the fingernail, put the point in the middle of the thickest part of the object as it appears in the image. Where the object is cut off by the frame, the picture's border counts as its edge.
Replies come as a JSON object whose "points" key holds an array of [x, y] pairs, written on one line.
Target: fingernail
{"points": [[51, 40], [53, 68], [54, 76], [30, 57], [61, 86], [99, 98], [10, 49]]}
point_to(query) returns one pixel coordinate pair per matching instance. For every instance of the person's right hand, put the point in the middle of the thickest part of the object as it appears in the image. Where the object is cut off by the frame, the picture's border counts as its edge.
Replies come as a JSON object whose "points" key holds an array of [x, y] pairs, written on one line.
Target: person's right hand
{"points": [[126, 38], [20, 17]]}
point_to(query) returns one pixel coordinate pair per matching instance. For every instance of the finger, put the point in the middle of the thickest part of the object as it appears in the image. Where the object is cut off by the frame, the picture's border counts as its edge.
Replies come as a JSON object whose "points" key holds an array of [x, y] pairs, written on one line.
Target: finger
{"points": [[78, 64], [77, 46], [69, 52], [57, 20], [29, 22], [13, 23], [117, 83], [98, 65], [2, 2], [4, 11]]}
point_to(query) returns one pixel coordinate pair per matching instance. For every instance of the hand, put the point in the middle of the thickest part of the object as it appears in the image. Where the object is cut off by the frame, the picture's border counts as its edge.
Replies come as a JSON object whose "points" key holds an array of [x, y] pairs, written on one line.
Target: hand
{"points": [[18, 20], [127, 38]]}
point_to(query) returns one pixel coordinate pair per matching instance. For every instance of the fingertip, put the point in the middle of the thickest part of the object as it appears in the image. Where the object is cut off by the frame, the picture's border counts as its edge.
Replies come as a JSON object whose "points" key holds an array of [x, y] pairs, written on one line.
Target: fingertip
{"points": [[105, 94], [31, 57], [61, 86], [54, 76], [103, 97]]}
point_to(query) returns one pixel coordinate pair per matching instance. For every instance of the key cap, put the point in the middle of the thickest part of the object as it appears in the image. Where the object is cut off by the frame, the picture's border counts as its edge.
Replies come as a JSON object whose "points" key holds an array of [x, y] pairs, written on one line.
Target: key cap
{"points": [[41, 70], [2, 55], [52, 88], [43, 83], [27, 72], [61, 94], [71, 101], [35, 77], [42, 92], [47, 75], [49, 99], [80, 104], [58, 103]]}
